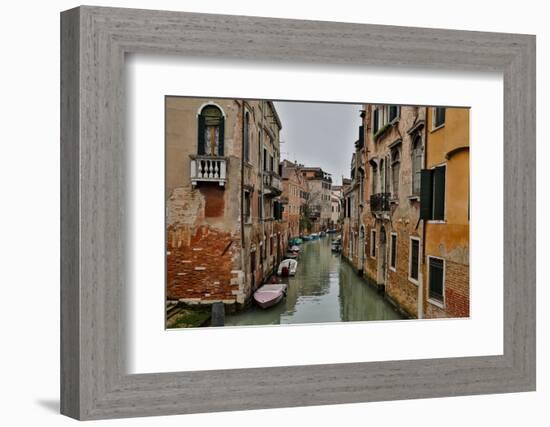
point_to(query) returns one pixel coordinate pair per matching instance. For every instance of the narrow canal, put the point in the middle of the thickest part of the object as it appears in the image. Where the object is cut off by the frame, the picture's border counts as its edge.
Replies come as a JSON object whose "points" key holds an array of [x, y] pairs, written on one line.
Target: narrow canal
{"points": [[324, 289]]}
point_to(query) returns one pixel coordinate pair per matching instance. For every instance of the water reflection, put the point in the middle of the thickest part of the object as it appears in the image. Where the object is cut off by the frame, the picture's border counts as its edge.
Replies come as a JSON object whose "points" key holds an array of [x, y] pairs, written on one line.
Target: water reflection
{"points": [[325, 289]]}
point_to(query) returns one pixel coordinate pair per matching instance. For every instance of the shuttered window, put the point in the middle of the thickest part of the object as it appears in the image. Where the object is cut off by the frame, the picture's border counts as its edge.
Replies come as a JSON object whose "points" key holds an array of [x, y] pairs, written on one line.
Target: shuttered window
{"points": [[393, 253], [432, 195], [211, 129], [247, 205], [201, 151], [436, 268], [373, 243], [439, 193], [414, 259], [416, 165], [438, 116]]}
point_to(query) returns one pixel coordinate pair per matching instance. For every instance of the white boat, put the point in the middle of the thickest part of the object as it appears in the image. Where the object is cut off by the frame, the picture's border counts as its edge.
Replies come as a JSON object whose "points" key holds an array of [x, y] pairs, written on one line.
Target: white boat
{"points": [[269, 295], [287, 267], [295, 248]]}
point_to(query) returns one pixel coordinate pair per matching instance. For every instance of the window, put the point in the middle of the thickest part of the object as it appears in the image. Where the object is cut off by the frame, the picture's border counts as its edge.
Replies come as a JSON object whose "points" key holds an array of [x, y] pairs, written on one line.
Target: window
{"points": [[361, 188], [246, 137], [395, 167], [211, 132], [393, 113], [374, 179], [416, 164], [259, 149], [382, 176], [393, 251], [414, 259], [260, 207], [438, 118], [375, 120], [432, 196], [436, 279], [373, 243], [246, 206], [265, 160]]}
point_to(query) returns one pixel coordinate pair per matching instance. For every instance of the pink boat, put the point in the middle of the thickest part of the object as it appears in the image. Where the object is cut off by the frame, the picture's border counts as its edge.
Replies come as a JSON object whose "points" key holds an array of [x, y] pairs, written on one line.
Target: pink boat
{"points": [[269, 295]]}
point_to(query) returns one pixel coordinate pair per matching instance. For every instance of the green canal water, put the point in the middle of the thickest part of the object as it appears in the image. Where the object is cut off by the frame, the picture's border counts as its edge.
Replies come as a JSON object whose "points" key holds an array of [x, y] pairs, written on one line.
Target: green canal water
{"points": [[324, 289]]}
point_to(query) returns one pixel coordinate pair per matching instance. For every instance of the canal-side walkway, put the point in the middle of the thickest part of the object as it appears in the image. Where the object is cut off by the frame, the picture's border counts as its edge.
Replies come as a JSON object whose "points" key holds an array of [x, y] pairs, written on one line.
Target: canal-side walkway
{"points": [[324, 289]]}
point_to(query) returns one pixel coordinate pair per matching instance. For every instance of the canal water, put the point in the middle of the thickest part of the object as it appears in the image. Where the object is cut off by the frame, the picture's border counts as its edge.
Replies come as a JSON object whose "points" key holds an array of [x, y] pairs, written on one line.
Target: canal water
{"points": [[324, 289]]}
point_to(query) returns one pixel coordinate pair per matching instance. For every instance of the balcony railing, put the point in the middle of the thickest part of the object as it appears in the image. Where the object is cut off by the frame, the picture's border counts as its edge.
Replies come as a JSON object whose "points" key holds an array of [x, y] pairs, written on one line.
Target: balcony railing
{"points": [[272, 183], [380, 202], [208, 169]]}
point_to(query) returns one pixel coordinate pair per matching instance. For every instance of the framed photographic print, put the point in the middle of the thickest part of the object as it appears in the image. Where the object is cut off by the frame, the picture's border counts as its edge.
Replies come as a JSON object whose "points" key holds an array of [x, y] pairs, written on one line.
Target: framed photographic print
{"points": [[275, 213]]}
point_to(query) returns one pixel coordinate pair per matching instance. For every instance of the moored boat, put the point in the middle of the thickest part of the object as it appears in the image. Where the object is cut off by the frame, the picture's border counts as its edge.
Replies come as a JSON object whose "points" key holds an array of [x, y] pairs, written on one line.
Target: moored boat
{"points": [[290, 255], [269, 295], [287, 267]]}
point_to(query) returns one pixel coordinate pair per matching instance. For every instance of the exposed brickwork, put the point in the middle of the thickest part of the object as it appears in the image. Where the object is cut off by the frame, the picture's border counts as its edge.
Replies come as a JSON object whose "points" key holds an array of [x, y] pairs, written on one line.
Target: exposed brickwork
{"points": [[457, 293], [200, 264], [221, 245], [399, 287]]}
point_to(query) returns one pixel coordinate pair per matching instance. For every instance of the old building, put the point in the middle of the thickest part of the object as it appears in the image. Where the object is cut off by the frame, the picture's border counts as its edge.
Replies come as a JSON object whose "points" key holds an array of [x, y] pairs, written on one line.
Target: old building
{"points": [[406, 226], [336, 201], [294, 197], [445, 211], [225, 232], [352, 246], [395, 138], [319, 207]]}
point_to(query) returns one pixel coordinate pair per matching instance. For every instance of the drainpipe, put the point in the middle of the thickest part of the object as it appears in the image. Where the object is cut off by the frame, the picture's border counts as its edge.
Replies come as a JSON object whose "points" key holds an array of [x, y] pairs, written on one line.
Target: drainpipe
{"points": [[262, 190], [421, 249], [243, 267]]}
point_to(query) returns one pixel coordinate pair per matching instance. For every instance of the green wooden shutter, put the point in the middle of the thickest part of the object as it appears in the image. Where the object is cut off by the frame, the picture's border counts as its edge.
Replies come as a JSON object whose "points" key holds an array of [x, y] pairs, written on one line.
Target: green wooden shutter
{"points": [[200, 136], [426, 193], [221, 136], [439, 193]]}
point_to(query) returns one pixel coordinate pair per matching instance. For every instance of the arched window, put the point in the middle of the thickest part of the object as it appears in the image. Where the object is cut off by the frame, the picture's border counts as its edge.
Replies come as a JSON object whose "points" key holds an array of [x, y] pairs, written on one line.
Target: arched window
{"points": [[211, 132], [395, 166], [416, 164]]}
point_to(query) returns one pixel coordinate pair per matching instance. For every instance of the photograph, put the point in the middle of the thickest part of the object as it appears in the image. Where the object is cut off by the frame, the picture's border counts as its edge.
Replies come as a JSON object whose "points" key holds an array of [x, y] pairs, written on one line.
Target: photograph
{"points": [[291, 212]]}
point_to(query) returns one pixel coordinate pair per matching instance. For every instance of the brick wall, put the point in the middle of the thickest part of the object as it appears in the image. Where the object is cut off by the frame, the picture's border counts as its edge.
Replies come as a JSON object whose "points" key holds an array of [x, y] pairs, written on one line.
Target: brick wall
{"points": [[200, 265], [457, 293]]}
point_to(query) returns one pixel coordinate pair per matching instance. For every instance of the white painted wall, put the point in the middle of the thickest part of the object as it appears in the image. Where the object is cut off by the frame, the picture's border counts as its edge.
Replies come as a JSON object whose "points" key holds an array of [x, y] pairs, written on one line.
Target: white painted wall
{"points": [[29, 173]]}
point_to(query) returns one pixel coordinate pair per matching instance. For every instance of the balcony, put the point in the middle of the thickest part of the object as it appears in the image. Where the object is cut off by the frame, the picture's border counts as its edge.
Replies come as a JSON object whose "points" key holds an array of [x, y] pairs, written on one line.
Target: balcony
{"points": [[272, 184], [208, 169], [380, 202]]}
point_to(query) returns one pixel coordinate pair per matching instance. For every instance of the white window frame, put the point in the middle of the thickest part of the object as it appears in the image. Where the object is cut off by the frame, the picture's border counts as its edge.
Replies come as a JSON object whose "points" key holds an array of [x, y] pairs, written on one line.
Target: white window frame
{"points": [[411, 279], [434, 127], [430, 300], [397, 116], [372, 247], [391, 247]]}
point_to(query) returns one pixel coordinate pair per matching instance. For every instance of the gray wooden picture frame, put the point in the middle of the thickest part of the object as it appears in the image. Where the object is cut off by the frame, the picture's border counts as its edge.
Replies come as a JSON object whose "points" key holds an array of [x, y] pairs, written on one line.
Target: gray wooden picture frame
{"points": [[94, 41]]}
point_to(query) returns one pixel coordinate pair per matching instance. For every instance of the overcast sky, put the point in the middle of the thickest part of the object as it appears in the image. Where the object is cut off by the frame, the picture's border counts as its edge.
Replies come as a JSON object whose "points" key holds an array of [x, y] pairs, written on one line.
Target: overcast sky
{"points": [[318, 134]]}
